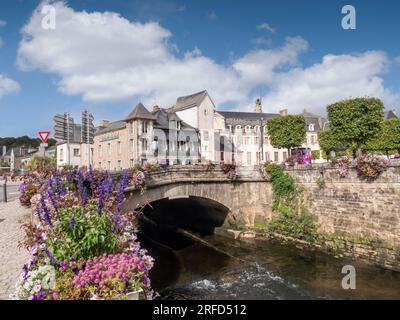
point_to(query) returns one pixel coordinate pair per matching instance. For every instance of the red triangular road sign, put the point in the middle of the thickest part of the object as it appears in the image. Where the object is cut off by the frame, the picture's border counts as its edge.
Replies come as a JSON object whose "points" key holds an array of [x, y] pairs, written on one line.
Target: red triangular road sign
{"points": [[44, 135]]}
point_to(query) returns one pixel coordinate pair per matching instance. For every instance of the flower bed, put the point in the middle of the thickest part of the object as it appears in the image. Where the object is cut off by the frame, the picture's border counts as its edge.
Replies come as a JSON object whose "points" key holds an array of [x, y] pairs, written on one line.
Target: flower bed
{"points": [[370, 167], [83, 245]]}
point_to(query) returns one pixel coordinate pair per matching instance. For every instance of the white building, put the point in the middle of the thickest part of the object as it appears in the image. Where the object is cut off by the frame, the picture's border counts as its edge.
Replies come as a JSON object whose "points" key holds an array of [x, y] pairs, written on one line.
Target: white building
{"points": [[73, 155], [197, 110], [246, 135]]}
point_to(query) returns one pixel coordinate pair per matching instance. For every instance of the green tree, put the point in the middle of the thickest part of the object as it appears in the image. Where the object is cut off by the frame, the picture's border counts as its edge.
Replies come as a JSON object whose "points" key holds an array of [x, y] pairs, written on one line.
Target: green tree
{"points": [[329, 142], [388, 139], [287, 131], [355, 121]]}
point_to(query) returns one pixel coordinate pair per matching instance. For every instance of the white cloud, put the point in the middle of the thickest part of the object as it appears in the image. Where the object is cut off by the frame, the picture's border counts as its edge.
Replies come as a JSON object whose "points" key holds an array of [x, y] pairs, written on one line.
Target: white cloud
{"points": [[267, 27], [2, 23], [7, 86], [336, 77], [105, 57]]}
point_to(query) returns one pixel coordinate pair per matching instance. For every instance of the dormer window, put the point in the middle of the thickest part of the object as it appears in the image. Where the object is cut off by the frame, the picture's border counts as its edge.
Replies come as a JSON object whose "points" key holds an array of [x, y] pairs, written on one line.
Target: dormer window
{"points": [[238, 128], [256, 129], [248, 129], [311, 127]]}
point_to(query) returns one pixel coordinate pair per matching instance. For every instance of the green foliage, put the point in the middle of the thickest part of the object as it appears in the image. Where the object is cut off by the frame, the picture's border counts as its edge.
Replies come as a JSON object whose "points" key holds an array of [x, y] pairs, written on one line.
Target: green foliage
{"points": [[297, 225], [82, 235], [283, 186], [287, 132], [329, 142], [315, 154], [293, 218], [388, 138], [38, 162], [355, 121], [24, 141]]}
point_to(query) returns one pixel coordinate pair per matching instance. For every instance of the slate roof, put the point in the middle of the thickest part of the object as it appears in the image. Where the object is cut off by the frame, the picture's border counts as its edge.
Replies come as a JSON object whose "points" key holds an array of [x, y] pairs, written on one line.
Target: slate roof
{"points": [[112, 126], [140, 112], [312, 118], [163, 117], [390, 115], [190, 101], [234, 118]]}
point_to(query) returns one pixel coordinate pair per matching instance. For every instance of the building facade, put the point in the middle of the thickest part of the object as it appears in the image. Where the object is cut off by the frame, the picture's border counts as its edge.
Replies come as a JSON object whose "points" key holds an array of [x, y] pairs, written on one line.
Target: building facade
{"points": [[160, 136], [246, 134]]}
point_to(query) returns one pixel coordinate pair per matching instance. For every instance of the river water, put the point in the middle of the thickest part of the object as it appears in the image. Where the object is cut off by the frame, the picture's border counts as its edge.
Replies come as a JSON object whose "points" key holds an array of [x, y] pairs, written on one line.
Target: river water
{"points": [[260, 270]]}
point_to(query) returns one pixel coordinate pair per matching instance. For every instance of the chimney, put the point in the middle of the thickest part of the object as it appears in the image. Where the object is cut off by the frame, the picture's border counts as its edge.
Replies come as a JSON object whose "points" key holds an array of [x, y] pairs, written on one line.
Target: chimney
{"points": [[104, 123], [156, 108], [4, 150], [258, 106], [283, 112]]}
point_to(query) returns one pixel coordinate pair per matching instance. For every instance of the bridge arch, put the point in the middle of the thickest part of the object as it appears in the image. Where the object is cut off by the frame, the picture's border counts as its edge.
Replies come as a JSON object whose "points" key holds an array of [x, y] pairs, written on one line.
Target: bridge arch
{"points": [[246, 199]]}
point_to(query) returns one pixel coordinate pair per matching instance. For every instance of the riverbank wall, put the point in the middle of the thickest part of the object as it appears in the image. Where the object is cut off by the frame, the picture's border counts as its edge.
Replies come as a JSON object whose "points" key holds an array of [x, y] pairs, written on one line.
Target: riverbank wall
{"points": [[356, 217]]}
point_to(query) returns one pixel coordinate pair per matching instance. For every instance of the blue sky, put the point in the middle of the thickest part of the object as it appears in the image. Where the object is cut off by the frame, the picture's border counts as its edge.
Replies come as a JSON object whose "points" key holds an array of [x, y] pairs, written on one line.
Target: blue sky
{"points": [[293, 53]]}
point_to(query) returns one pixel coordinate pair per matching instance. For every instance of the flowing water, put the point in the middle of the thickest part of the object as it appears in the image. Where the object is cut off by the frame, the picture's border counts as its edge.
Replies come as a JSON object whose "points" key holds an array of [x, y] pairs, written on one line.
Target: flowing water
{"points": [[260, 270]]}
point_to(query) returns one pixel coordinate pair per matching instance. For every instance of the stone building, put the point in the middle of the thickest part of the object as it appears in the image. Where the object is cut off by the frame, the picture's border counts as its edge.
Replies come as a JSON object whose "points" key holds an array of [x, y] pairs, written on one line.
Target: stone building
{"points": [[197, 110], [143, 136], [246, 135]]}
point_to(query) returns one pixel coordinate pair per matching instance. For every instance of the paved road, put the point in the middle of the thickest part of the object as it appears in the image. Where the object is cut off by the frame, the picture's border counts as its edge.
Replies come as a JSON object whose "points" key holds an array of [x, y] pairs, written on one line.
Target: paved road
{"points": [[12, 191], [12, 258]]}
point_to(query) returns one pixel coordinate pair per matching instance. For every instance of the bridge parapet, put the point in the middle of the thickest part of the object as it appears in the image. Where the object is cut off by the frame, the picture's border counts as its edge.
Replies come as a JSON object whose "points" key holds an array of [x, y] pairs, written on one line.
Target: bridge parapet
{"points": [[197, 174]]}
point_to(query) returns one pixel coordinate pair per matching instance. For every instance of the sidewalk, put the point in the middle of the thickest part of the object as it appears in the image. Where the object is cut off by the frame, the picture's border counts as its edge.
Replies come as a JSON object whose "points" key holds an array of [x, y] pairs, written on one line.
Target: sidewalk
{"points": [[12, 258]]}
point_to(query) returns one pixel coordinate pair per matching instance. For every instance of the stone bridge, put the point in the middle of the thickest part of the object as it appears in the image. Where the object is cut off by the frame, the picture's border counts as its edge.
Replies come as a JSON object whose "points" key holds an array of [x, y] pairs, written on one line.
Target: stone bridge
{"points": [[244, 200]]}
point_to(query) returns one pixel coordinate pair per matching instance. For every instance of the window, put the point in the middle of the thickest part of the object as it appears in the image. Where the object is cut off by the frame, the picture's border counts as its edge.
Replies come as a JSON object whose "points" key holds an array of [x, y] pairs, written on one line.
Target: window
{"points": [[312, 139], [131, 146], [61, 154], [248, 129], [130, 128], [144, 127], [256, 129], [205, 112], [256, 140], [205, 136], [247, 140], [119, 147], [99, 165], [109, 165], [109, 149], [144, 144], [229, 128], [266, 156], [266, 140], [238, 129], [99, 150], [76, 152], [276, 156], [284, 156], [119, 165], [311, 127], [248, 158], [132, 163]]}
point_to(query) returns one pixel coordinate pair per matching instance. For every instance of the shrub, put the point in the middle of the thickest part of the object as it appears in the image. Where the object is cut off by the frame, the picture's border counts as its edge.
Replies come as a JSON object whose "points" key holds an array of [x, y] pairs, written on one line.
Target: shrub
{"points": [[82, 234]]}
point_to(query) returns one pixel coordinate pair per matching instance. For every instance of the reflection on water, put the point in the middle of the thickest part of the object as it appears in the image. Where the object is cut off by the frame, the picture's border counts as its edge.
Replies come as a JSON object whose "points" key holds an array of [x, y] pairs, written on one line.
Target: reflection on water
{"points": [[263, 270]]}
